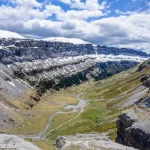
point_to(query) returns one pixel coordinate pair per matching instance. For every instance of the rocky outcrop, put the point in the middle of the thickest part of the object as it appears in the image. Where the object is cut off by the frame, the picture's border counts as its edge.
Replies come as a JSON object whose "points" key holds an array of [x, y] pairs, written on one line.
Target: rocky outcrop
{"points": [[144, 65], [14, 142], [146, 80], [88, 142], [134, 129]]}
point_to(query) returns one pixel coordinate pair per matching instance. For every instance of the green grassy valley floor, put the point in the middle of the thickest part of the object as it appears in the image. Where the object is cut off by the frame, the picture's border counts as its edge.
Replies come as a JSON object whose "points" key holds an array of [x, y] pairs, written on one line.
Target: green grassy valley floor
{"points": [[106, 100]]}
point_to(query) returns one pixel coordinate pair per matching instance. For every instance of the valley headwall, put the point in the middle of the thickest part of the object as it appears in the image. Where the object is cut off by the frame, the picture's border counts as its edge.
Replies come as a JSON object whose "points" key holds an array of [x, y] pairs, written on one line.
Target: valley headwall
{"points": [[45, 64]]}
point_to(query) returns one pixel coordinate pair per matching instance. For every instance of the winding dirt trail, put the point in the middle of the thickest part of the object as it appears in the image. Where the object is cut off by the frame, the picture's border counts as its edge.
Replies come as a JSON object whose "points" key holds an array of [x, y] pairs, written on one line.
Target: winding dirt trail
{"points": [[67, 121]]}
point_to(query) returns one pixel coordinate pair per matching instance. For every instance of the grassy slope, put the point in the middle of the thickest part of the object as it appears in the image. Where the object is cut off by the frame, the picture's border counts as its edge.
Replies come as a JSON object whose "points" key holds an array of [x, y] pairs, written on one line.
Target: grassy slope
{"points": [[35, 119]]}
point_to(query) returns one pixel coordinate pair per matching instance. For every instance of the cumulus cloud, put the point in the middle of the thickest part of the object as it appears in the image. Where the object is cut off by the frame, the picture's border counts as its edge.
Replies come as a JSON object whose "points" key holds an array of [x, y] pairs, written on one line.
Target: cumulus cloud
{"points": [[25, 3], [124, 13], [79, 14], [66, 1], [89, 4], [68, 25], [87, 20]]}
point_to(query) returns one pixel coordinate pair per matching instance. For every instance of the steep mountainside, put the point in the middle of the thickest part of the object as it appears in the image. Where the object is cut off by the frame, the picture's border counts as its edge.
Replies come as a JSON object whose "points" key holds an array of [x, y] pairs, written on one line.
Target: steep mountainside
{"points": [[133, 126], [53, 64]]}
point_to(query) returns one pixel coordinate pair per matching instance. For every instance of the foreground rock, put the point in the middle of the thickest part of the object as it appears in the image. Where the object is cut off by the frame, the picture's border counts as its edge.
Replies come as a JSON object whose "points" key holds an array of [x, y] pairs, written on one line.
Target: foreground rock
{"points": [[88, 142], [134, 128], [14, 142]]}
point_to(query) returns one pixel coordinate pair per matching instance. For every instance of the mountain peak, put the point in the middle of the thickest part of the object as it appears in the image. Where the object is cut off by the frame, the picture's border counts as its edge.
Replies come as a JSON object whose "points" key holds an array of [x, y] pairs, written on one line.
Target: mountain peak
{"points": [[9, 34]]}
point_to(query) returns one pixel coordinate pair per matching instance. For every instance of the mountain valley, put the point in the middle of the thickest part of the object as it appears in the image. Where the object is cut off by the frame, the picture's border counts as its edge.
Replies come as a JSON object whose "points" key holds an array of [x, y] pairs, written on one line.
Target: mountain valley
{"points": [[61, 95]]}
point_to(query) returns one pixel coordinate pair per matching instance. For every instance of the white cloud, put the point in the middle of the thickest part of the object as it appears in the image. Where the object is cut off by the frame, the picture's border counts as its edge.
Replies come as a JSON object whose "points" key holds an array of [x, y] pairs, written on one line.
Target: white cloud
{"points": [[66, 1], [29, 17], [89, 4], [79, 14], [21, 13], [29, 3], [52, 9], [77, 4], [92, 4], [124, 13]]}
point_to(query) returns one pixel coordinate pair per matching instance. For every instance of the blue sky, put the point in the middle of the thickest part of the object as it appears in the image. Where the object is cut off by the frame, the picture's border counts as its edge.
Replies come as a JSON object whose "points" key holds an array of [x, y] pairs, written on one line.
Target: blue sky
{"points": [[121, 23]]}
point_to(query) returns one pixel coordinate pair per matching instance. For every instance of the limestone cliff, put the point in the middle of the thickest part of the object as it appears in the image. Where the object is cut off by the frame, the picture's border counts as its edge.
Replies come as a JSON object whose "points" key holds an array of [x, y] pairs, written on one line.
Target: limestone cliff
{"points": [[134, 129], [46, 64]]}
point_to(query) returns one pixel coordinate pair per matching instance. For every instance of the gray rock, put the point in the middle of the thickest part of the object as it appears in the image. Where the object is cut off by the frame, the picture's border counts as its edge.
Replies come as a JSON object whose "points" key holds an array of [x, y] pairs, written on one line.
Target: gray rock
{"points": [[88, 142], [134, 129], [14, 142], [60, 142]]}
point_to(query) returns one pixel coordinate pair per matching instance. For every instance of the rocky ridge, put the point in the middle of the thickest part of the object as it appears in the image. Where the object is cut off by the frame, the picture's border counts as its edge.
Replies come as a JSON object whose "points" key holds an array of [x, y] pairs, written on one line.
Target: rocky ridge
{"points": [[19, 50]]}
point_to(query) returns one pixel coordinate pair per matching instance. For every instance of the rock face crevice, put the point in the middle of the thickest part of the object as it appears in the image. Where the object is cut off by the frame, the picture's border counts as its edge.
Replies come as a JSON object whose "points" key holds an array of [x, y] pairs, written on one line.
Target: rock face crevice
{"points": [[134, 131]]}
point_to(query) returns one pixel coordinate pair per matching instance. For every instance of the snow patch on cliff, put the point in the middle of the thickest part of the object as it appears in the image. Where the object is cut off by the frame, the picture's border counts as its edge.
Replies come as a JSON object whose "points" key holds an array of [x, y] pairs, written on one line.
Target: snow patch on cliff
{"points": [[66, 40]]}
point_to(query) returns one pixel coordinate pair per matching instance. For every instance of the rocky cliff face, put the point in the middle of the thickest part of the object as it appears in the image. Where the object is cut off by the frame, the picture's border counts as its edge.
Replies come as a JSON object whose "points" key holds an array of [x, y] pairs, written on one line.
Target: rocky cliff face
{"points": [[46, 64], [19, 50], [134, 129], [51, 69]]}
